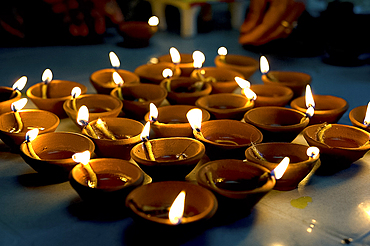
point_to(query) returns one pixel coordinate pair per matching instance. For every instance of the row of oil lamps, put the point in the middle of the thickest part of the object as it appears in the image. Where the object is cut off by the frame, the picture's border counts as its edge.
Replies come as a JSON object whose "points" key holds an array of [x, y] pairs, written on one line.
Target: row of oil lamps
{"points": [[213, 119]]}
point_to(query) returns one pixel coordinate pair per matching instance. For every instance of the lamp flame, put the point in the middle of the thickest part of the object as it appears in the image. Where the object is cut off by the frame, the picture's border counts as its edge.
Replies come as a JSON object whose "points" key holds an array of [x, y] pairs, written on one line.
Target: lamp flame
{"points": [[32, 134], [198, 59], [222, 51], [242, 82], [18, 105], [309, 97], [313, 152], [264, 65], [47, 76], [167, 73], [175, 55], [114, 60], [251, 95], [20, 83], [153, 21], [194, 117], [117, 79], [153, 112], [176, 212], [83, 115], [82, 157], [279, 171], [145, 133], [367, 115], [76, 92]]}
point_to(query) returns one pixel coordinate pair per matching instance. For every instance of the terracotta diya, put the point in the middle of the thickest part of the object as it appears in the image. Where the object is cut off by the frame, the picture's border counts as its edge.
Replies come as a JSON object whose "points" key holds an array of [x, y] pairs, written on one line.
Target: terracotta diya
{"points": [[327, 108], [245, 65], [238, 185], [137, 97], [271, 95], [357, 117], [340, 145], [221, 79], [175, 157], [54, 152], [151, 204], [125, 133], [152, 73], [186, 63], [185, 90], [269, 155], [10, 95], [225, 105], [277, 124], [58, 91], [172, 122], [115, 178], [99, 106]]}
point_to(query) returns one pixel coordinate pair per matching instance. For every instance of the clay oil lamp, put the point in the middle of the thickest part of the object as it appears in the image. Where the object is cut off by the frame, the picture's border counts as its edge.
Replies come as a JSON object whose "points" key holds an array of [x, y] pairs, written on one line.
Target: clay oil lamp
{"points": [[99, 106], [360, 117], [180, 60], [296, 81], [277, 124], [184, 90], [152, 72], [328, 108], [136, 98], [114, 137], [340, 145], [14, 125], [223, 139], [50, 94], [272, 95], [10, 95], [103, 180], [238, 185], [242, 64], [137, 34], [229, 105], [167, 158], [51, 153], [171, 121], [172, 205], [102, 80], [303, 159]]}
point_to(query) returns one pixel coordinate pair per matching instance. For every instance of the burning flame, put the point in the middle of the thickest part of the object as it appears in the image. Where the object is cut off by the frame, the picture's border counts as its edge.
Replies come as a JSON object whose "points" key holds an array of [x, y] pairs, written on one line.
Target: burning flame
{"points": [[114, 61], [153, 21], [167, 73], [145, 133], [313, 152], [245, 85], [242, 82], [264, 65], [175, 55], [310, 103], [20, 83], [153, 112], [194, 117], [76, 92], [117, 79], [367, 115], [47, 76], [222, 51], [279, 171], [32, 134], [198, 58], [18, 105], [249, 94], [176, 212], [83, 115], [82, 157]]}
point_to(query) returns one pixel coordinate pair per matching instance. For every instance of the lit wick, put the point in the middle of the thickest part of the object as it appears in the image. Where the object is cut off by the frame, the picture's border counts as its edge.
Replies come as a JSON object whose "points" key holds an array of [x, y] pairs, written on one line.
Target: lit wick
{"points": [[153, 113], [265, 67], [175, 56], [47, 76], [30, 136], [153, 23], [145, 138], [76, 92], [16, 107], [176, 212], [167, 74], [119, 82], [222, 52], [84, 158], [367, 116], [246, 90], [114, 61], [310, 104], [83, 120], [312, 152], [198, 60], [102, 126], [19, 85], [194, 117]]}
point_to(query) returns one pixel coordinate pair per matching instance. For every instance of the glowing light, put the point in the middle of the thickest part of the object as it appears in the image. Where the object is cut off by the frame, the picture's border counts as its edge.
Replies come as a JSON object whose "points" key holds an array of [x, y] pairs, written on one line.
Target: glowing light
{"points": [[242, 82], [280, 169], [145, 133], [367, 115], [313, 152], [198, 59], [175, 55], [222, 51], [117, 79], [176, 212], [32, 134], [76, 92], [153, 112], [47, 76], [153, 21], [194, 117], [19, 105], [309, 97], [251, 95], [114, 60], [167, 73], [82, 157], [20, 83], [83, 115], [264, 65]]}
